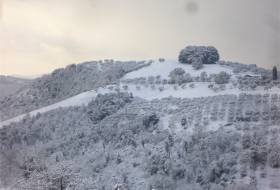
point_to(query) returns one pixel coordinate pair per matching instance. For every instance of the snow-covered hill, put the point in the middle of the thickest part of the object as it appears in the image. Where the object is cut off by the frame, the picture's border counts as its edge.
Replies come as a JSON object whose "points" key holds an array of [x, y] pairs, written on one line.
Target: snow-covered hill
{"points": [[154, 90], [159, 125]]}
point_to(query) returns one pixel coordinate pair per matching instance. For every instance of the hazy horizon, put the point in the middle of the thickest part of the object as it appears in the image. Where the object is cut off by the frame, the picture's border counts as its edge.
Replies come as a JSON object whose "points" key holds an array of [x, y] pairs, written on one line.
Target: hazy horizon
{"points": [[39, 36]]}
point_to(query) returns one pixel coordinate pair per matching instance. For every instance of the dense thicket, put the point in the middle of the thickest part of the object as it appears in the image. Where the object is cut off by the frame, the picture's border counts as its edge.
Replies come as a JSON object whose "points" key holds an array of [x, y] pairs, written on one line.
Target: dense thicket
{"points": [[198, 55]]}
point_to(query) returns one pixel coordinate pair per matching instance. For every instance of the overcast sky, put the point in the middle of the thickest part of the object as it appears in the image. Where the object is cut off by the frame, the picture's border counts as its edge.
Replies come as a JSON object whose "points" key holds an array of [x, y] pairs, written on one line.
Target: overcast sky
{"points": [[37, 36]]}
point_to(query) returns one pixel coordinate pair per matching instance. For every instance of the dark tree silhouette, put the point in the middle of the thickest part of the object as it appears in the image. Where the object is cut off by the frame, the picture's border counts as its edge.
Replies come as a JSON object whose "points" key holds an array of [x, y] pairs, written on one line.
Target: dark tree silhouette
{"points": [[274, 73], [202, 54]]}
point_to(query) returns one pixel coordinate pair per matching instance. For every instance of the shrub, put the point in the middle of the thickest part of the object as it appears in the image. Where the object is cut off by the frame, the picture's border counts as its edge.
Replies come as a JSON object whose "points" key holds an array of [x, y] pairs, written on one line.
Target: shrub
{"points": [[177, 71], [125, 87], [188, 78], [150, 120], [161, 88], [151, 79], [274, 157], [222, 78], [197, 64], [178, 173], [203, 77], [177, 76], [248, 83], [183, 121]]}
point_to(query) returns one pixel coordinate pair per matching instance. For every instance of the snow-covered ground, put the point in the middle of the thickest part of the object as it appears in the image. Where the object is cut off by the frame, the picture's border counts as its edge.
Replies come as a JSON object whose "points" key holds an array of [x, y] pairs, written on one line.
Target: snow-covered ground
{"points": [[199, 90], [163, 69]]}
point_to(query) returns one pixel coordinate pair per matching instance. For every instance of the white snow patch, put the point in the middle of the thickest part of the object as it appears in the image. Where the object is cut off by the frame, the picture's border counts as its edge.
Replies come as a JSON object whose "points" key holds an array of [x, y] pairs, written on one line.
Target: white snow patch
{"points": [[165, 122], [214, 125], [164, 68]]}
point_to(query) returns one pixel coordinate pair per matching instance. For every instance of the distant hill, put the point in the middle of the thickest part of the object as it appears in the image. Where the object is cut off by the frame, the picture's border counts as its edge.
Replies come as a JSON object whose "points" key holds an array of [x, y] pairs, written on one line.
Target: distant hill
{"points": [[9, 85]]}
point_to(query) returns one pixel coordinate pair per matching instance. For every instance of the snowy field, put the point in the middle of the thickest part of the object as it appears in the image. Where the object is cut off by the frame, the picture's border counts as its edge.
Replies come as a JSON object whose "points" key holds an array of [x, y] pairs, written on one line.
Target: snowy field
{"points": [[199, 90], [164, 68]]}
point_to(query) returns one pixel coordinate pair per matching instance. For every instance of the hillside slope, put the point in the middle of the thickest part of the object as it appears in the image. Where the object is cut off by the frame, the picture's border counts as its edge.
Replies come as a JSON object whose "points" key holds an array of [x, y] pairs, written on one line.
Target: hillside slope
{"points": [[153, 82], [64, 83], [155, 127]]}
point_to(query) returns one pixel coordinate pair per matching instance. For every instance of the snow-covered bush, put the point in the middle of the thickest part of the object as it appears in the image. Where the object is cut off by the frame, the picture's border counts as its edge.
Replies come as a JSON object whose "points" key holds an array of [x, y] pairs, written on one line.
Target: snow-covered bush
{"points": [[107, 104], [222, 78], [183, 121], [164, 81], [249, 82], [188, 78], [151, 80], [161, 88], [125, 87], [158, 79], [274, 156], [177, 76], [206, 55], [197, 64], [176, 72], [203, 76]]}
